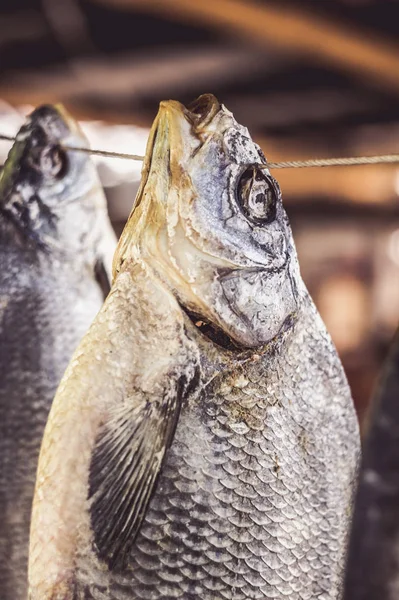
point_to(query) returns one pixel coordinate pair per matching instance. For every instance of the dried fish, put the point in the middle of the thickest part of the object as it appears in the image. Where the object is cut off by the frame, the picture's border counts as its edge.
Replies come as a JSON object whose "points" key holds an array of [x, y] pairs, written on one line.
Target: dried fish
{"points": [[56, 245], [203, 442]]}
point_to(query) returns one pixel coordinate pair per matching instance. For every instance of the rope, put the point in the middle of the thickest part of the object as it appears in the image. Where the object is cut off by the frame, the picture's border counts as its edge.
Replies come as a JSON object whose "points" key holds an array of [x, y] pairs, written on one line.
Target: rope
{"points": [[291, 164]]}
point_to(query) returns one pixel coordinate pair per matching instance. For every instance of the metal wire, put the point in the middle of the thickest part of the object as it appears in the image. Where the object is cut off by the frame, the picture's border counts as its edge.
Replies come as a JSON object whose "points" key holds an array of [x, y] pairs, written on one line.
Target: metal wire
{"points": [[291, 164], [106, 153], [335, 162]]}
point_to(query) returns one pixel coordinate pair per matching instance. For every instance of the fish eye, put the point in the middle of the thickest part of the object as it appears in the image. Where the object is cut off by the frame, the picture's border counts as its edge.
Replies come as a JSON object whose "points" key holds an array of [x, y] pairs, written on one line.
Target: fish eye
{"points": [[54, 162], [257, 195]]}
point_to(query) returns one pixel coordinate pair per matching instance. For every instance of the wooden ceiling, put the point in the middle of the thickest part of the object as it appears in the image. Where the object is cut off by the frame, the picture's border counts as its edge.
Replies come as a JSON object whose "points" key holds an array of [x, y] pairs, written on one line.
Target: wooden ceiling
{"points": [[308, 78]]}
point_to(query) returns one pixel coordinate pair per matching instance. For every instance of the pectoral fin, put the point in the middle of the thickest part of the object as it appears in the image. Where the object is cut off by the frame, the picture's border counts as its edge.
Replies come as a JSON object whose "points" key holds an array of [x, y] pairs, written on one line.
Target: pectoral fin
{"points": [[126, 462]]}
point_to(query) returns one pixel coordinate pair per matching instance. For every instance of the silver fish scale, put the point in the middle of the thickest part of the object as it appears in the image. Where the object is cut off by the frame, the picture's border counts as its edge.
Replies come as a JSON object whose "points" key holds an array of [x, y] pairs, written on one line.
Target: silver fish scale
{"points": [[254, 498], [42, 319]]}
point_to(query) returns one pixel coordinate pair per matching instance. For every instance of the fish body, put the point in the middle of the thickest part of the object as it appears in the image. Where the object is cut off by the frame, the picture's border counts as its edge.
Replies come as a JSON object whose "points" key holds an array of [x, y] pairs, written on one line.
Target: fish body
{"points": [[203, 442], [373, 559], [54, 236]]}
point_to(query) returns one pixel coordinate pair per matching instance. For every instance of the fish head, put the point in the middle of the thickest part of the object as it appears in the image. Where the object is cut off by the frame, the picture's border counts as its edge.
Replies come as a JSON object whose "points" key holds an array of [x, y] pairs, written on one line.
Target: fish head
{"points": [[42, 175], [209, 220]]}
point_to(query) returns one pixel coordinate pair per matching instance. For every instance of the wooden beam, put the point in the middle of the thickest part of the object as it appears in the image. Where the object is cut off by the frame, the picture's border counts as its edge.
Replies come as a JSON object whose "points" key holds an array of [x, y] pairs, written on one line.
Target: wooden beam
{"points": [[291, 30], [22, 25], [288, 109], [131, 75]]}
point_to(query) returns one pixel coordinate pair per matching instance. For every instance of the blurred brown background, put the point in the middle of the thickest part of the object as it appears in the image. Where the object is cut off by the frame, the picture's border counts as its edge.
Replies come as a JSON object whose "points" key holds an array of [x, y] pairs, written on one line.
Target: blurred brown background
{"points": [[310, 78]]}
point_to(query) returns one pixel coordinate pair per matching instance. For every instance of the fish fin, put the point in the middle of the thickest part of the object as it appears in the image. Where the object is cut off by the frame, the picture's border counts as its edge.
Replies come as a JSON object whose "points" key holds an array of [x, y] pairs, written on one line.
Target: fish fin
{"points": [[125, 465], [102, 277]]}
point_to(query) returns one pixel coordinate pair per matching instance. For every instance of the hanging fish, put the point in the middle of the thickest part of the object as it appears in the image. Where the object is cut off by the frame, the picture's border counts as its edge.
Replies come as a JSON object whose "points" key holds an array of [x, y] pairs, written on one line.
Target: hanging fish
{"points": [[56, 245], [203, 441], [373, 561]]}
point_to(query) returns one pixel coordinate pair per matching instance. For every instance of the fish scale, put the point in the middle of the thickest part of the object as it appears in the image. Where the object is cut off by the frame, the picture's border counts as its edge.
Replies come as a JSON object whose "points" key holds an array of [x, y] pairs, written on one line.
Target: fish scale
{"points": [[242, 510], [30, 370]]}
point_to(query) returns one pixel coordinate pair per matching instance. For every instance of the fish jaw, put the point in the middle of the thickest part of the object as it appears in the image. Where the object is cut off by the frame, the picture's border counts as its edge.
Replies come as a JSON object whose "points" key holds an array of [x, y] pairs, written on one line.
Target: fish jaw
{"points": [[187, 225]]}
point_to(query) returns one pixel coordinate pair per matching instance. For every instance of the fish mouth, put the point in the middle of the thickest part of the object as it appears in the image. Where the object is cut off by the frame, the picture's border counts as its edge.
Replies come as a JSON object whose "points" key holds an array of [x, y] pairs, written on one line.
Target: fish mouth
{"points": [[38, 148], [48, 125], [202, 110], [166, 138], [199, 113], [170, 125]]}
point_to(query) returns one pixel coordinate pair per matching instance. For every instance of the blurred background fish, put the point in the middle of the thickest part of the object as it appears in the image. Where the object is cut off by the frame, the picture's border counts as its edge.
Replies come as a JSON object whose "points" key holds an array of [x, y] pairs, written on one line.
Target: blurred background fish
{"points": [[309, 79], [56, 246], [373, 564]]}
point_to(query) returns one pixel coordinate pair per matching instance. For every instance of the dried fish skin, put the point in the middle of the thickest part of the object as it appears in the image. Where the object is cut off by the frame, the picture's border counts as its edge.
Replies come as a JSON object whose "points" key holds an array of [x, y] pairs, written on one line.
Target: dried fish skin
{"points": [[215, 443], [56, 242]]}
